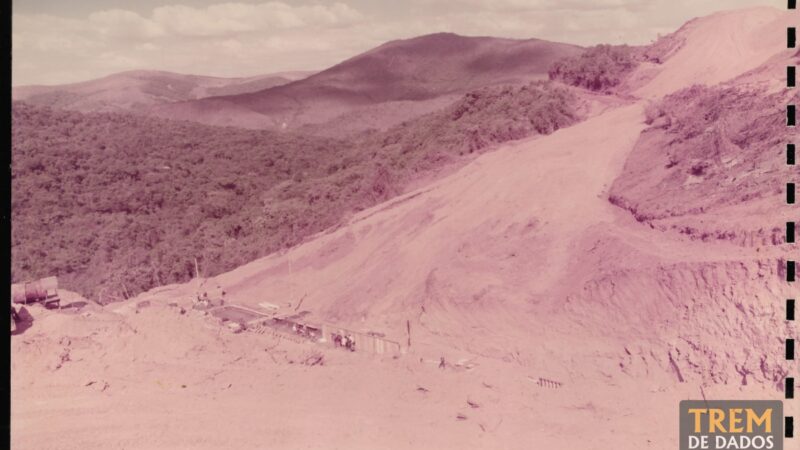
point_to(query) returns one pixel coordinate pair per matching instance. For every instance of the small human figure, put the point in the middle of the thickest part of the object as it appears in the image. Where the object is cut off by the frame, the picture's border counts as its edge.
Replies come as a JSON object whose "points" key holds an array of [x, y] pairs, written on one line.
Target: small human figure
{"points": [[441, 363]]}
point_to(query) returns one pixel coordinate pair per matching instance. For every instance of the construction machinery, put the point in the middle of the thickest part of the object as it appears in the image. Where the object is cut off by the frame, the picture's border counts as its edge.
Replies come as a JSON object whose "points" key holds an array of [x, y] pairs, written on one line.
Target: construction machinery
{"points": [[44, 291]]}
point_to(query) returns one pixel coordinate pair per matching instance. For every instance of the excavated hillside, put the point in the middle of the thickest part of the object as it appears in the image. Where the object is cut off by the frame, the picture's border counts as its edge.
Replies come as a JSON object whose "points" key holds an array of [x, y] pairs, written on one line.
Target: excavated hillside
{"points": [[710, 152], [538, 293], [496, 253]]}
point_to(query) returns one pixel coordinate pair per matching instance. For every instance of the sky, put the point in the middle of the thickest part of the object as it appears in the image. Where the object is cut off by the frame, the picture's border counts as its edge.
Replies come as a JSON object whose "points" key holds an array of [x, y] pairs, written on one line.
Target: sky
{"points": [[57, 41]]}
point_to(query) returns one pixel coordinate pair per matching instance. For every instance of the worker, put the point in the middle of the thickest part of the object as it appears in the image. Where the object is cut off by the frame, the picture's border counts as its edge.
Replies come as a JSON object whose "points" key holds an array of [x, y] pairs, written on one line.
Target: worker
{"points": [[442, 364]]}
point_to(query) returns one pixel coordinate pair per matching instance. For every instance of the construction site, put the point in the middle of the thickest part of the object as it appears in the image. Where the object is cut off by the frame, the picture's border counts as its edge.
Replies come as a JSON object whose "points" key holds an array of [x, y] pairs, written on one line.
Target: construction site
{"points": [[272, 318], [560, 288]]}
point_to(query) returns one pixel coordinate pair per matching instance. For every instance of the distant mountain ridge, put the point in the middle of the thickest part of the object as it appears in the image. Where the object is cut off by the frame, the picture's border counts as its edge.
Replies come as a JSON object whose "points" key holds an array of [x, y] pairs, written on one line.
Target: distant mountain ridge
{"points": [[138, 90], [420, 69]]}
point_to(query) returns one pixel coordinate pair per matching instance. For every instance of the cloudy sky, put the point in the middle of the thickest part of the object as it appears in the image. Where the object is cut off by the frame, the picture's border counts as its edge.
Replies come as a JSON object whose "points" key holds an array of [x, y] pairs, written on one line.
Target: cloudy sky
{"points": [[58, 41]]}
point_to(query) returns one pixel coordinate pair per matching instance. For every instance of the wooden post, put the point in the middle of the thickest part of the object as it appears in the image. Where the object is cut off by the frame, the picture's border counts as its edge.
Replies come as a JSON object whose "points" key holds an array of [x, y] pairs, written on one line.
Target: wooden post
{"points": [[300, 302], [408, 331], [196, 269]]}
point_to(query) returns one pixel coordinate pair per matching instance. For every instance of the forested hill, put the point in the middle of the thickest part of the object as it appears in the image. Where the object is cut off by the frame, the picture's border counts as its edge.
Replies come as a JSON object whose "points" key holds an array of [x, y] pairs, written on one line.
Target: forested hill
{"points": [[115, 204]]}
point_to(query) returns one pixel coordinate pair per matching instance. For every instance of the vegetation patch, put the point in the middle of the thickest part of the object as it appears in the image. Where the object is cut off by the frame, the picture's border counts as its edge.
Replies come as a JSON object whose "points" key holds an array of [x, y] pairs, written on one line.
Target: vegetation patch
{"points": [[115, 204], [599, 68], [706, 148]]}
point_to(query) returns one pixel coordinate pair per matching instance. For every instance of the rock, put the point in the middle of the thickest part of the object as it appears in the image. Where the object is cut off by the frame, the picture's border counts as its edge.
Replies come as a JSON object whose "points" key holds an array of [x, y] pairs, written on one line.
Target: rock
{"points": [[234, 327]]}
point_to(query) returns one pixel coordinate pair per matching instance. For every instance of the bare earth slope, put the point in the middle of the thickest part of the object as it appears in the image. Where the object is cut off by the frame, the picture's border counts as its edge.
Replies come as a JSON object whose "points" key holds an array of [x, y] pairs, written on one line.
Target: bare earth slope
{"points": [[141, 89], [711, 163], [514, 268], [418, 70], [717, 48]]}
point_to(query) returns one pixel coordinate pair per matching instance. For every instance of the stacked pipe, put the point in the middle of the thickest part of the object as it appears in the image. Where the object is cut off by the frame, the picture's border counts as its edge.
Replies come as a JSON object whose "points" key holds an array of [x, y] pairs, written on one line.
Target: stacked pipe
{"points": [[42, 290]]}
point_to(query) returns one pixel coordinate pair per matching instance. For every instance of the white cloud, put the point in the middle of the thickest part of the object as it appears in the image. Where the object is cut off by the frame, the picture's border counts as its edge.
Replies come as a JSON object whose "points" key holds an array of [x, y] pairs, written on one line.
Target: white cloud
{"points": [[124, 24], [226, 19], [147, 46], [530, 5], [186, 21]]}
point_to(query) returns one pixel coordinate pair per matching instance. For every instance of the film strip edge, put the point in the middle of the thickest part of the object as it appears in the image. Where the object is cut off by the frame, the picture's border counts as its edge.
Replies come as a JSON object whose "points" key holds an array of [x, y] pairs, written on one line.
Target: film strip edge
{"points": [[791, 269]]}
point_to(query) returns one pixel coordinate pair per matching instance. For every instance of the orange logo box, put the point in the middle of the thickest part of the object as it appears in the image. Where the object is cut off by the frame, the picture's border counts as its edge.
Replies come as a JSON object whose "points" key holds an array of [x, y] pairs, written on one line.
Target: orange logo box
{"points": [[731, 425]]}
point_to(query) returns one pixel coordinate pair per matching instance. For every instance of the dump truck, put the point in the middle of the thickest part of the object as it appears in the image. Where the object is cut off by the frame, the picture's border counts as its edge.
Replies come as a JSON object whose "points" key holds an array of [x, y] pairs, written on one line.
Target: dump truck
{"points": [[44, 291]]}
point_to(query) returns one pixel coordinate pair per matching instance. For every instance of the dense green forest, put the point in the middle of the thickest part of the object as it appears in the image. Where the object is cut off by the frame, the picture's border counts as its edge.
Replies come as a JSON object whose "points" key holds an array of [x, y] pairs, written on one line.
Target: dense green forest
{"points": [[115, 204]]}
